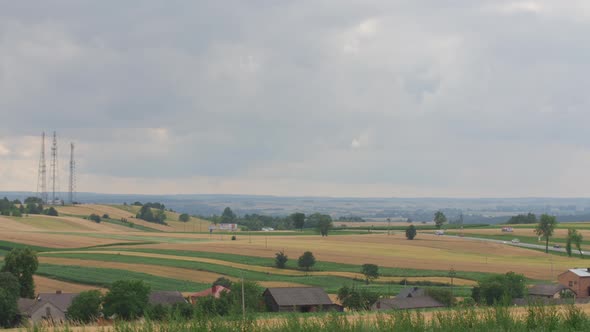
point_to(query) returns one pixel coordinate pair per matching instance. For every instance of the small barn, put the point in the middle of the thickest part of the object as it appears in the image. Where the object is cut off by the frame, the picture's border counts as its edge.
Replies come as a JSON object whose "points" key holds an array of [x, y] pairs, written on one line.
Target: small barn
{"points": [[552, 291], [298, 299]]}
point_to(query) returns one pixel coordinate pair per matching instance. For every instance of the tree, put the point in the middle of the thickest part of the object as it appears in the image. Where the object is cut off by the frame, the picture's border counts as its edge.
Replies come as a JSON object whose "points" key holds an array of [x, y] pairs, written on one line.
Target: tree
{"points": [[371, 271], [498, 288], [322, 222], [106, 216], [439, 219], [184, 217], [575, 237], [85, 307], [252, 297], [545, 228], [94, 217], [9, 294], [298, 220], [51, 211], [280, 260], [222, 281], [357, 299], [306, 261], [411, 232], [128, 299], [228, 216], [22, 263], [443, 296], [160, 217]]}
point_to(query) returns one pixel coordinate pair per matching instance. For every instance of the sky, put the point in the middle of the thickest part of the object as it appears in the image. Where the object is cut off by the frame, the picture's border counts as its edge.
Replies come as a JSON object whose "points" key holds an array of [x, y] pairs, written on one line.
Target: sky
{"points": [[367, 98]]}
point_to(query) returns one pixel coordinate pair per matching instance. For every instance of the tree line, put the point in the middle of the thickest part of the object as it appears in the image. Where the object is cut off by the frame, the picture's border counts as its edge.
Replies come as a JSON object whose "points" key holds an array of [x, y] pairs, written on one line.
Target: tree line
{"points": [[31, 205]]}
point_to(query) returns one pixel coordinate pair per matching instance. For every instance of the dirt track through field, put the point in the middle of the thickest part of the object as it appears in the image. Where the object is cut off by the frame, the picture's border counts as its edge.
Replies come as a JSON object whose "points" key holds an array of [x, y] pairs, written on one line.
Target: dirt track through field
{"points": [[170, 272]]}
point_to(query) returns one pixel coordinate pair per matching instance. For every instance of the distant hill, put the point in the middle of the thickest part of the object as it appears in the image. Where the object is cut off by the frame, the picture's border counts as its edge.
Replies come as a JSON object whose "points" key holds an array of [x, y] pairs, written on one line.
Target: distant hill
{"points": [[474, 210]]}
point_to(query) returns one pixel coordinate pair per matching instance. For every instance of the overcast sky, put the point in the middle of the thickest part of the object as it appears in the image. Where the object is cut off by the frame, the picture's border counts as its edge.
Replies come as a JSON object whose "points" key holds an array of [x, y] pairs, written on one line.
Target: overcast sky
{"points": [[405, 98]]}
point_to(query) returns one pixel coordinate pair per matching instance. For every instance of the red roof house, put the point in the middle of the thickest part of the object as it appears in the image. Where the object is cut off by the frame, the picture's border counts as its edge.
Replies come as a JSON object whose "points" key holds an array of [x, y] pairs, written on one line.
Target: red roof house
{"points": [[214, 291]]}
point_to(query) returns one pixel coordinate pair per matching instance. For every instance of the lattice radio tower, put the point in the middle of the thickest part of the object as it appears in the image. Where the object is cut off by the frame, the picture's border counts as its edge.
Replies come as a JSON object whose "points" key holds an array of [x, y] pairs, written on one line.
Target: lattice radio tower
{"points": [[72, 187], [54, 171], [42, 173]]}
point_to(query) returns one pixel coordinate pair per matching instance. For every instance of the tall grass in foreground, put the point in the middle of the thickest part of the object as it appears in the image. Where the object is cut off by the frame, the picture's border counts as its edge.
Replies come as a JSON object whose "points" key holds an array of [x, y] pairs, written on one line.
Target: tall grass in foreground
{"points": [[534, 318]]}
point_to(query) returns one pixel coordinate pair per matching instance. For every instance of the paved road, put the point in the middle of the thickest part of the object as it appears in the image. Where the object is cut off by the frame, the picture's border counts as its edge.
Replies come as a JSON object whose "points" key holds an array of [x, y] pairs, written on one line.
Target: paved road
{"points": [[520, 244]]}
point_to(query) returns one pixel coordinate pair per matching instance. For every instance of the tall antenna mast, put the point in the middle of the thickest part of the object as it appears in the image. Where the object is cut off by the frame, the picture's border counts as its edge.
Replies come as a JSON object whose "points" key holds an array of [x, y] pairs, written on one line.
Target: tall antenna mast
{"points": [[54, 170], [42, 173], [72, 175]]}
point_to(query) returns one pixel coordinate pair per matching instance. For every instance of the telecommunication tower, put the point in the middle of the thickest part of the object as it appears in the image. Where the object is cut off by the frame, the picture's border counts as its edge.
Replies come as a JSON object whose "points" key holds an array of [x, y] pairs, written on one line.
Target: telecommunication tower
{"points": [[42, 173], [72, 175], [54, 171]]}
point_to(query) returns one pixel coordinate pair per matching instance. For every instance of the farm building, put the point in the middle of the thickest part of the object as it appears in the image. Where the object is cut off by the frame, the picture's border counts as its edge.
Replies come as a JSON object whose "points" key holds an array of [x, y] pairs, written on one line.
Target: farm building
{"points": [[578, 280], [415, 302], [47, 306], [547, 291], [214, 291], [410, 292], [166, 298], [298, 299]]}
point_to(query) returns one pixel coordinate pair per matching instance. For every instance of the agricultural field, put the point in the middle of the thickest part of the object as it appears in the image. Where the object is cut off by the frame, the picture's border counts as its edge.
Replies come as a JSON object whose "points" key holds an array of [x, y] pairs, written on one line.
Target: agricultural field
{"points": [[76, 254]]}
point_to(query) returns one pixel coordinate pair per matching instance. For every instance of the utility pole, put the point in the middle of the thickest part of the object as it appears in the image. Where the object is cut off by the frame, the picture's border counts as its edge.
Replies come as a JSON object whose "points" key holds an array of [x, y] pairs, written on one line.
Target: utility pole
{"points": [[243, 298], [388, 226]]}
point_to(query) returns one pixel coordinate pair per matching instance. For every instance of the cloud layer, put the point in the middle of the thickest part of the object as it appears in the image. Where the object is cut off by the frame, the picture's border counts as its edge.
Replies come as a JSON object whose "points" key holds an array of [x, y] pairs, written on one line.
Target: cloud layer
{"points": [[341, 98]]}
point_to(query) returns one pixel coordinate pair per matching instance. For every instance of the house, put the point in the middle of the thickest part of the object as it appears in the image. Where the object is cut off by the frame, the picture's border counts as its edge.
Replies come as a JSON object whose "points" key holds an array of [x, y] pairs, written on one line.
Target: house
{"points": [[214, 291], [507, 229], [298, 299], [47, 306], [410, 292], [405, 303], [547, 291], [578, 280], [166, 298]]}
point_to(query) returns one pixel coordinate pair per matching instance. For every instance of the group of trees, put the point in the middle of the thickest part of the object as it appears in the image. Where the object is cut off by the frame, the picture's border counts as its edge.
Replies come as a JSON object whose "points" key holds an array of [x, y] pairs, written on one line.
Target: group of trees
{"points": [[32, 205], [529, 218], [323, 223], [230, 303], [16, 280], [305, 262], [499, 289], [152, 214]]}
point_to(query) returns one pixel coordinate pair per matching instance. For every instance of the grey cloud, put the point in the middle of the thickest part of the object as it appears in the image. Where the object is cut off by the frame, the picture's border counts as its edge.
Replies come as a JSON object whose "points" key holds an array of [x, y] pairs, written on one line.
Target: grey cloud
{"points": [[441, 95]]}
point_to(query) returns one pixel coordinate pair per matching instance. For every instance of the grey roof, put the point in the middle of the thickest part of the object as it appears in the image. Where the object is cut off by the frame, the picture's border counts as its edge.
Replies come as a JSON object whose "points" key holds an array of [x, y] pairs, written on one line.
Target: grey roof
{"points": [[416, 302], [581, 272], [61, 301], [25, 305], [290, 296], [546, 290], [166, 297], [410, 292]]}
